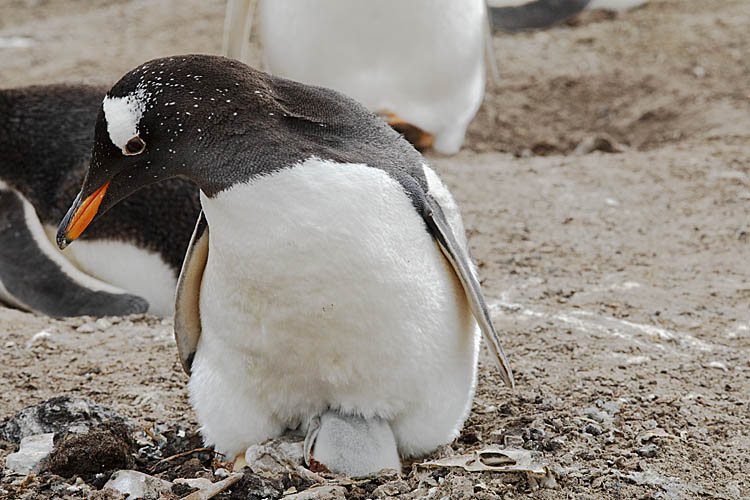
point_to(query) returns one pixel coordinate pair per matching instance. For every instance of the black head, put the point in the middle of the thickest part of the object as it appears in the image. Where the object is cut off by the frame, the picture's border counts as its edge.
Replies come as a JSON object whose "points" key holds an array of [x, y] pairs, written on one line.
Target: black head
{"points": [[216, 122]]}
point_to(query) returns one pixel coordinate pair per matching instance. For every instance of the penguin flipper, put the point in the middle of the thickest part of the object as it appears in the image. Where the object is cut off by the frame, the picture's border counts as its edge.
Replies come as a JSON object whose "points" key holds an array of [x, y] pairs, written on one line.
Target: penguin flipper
{"points": [[34, 276], [187, 316], [459, 259], [535, 14]]}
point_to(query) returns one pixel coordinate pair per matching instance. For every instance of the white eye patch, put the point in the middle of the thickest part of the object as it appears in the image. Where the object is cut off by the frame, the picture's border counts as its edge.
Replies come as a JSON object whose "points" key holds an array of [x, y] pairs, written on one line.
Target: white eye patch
{"points": [[122, 115]]}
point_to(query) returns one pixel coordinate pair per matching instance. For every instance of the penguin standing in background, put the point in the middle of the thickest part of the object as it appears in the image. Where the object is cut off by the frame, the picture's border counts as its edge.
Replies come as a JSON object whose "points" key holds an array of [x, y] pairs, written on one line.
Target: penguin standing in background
{"points": [[328, 284], [128, 263], [419, 63]]}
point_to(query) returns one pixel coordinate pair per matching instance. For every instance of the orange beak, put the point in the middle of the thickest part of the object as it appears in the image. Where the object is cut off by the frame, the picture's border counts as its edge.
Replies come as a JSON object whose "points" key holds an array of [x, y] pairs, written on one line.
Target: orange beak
{"points": [[83, 215]]}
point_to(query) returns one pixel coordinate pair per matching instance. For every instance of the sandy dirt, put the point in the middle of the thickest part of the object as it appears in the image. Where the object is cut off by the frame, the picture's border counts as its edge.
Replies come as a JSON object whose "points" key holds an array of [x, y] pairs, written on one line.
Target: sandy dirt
{"points": [[620, 281]]}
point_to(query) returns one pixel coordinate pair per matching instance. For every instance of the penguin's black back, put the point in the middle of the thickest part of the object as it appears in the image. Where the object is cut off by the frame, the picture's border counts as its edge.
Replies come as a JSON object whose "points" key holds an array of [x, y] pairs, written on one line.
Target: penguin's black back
{"points": [[46, 135], [231, 123]]}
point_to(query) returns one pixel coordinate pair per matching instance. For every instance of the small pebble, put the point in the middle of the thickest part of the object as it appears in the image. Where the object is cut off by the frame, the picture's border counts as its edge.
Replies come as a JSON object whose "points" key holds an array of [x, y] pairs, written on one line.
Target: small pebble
{"points": [[595, 414], [611, 202], [221, 473], [86, 328], [611, 407], [592, 429], [648, 451], [43, 337], [103, 323], [719, 365], [511, 441], [649, 424], [536, 430]]}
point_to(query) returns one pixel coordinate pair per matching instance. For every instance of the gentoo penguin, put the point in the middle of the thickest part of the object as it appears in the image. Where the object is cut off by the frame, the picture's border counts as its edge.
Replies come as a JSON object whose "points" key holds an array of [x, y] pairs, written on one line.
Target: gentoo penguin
{"points": [[420, 64], [328, 283], [128, 263]]}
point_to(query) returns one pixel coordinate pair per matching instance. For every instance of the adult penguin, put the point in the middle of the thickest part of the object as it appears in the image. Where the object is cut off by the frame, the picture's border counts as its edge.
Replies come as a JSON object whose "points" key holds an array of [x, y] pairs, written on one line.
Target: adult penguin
{"points": [[128, 263], [419, 63], [328, 283]]}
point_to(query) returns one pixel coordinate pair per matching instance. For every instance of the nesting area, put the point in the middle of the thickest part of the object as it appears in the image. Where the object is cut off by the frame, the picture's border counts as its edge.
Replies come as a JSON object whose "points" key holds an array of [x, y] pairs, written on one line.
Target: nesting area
{"points": [[605, 188]]}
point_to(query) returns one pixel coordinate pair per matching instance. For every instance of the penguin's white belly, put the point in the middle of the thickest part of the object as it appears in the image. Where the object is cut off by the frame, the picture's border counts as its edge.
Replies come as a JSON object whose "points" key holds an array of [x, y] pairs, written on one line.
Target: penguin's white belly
{"points": [[421, 59], [127, 267], [323, 289]]}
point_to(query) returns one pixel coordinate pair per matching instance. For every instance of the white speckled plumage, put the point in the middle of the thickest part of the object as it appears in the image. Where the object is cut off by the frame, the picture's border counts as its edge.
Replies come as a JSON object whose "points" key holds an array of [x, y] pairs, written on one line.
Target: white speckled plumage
{"points": [[371, 320], [123, 115]]}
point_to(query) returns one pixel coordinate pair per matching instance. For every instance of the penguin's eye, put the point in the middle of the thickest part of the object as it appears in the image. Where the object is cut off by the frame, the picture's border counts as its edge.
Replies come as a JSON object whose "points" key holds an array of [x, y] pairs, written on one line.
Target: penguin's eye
{"points": [[135, 146]]}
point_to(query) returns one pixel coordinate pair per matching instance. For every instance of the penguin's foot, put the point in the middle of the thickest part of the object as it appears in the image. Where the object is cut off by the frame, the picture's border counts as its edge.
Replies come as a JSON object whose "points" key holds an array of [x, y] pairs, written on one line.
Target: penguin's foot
{"points": [[239, 462], [420, 139], [350, 444]]}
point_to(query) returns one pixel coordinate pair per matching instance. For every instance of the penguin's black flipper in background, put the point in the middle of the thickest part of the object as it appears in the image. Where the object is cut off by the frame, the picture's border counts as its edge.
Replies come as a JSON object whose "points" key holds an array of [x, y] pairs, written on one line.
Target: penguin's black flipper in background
{"points": [[33, 273], [535, 14]]}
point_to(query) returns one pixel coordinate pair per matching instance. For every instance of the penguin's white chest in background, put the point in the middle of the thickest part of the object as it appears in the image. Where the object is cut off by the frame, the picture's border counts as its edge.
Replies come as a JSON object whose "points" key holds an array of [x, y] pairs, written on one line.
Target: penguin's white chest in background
{"points": [[420, 59], [323, 284]]}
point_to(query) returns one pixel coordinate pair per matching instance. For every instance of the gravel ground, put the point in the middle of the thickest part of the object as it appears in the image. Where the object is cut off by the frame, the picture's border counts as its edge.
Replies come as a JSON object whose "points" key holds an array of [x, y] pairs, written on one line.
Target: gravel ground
{"points": [[619, 280]]}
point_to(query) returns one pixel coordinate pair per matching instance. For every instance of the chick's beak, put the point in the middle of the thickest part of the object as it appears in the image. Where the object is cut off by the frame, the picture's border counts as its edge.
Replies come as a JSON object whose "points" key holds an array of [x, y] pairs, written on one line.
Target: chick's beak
{"points": [[79, 216]]}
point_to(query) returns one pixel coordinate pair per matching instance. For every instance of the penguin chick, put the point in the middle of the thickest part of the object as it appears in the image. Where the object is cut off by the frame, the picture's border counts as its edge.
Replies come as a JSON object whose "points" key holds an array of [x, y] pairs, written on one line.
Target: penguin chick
{"points": [[351, 445]]}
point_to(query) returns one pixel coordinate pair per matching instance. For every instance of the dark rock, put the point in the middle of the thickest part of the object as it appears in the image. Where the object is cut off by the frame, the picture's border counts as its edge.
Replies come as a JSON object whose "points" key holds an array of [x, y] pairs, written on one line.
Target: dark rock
{"points": [[535, 431], [469, 437], [293, 479], [552, 444], [505, 409], [254, 487], [182, 489], [92, 456], [191, 468], [60, 415], [592, 429], [163, 441]]}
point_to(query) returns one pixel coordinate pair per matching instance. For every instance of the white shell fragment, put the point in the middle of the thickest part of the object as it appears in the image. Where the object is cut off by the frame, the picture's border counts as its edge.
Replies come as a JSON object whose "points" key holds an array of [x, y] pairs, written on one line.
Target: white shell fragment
{"points": [[33, 450], [496, 459]]}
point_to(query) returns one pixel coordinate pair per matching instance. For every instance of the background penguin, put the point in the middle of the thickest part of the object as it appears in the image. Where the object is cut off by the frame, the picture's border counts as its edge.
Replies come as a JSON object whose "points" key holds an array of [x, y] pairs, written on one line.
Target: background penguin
{"points": [[328, 275], [420, 64], [128, 263]]}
